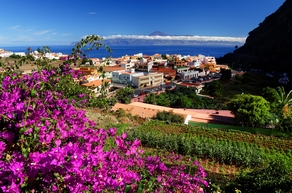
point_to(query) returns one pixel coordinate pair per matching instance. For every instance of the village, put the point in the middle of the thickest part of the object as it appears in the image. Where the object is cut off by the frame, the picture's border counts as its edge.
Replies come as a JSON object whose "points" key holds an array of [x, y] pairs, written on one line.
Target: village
{"points": [[156, 74], [149, 74], [143, 72], [146, 74]]}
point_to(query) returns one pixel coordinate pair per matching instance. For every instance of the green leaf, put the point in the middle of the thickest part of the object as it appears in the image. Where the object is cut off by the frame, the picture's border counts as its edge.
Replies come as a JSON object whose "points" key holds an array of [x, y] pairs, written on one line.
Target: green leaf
{"points": [[140, 188], [23, 185], [33, 104], [56, 175], [24, 152], [127, 189], [21, 131], [33, 93]]}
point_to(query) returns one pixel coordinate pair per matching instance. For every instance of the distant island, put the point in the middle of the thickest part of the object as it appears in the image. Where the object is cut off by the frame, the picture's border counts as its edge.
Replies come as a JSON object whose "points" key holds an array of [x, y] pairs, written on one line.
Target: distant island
{"points": [[160, 38]]}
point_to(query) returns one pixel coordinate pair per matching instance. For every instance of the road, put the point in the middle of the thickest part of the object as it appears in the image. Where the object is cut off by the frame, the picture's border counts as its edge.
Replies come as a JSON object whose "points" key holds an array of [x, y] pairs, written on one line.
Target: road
{"points": [[147, 89]]}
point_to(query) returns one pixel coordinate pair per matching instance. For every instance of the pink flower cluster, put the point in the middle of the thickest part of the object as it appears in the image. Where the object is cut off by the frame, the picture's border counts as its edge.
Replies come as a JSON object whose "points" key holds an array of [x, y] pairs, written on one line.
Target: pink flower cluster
{"points": [[47, 145]]}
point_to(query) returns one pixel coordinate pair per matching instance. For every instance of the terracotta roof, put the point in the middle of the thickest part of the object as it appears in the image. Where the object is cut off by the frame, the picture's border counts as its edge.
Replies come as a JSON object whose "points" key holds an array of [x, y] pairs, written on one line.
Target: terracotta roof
{"points": [[95, 83], [190, 84], [112, 68]]}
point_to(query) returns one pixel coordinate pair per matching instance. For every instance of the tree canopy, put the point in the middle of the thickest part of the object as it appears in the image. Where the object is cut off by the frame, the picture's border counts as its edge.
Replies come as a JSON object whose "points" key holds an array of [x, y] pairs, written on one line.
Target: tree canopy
{"points": [[250, 110], [123, 95], [214, 88]]}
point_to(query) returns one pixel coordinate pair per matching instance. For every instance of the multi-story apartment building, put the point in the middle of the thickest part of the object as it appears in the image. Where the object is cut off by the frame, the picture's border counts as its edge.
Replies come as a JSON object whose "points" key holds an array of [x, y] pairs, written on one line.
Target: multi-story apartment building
{"points": [[152, 79], [178, 62], [125, 77], [144, 67]]}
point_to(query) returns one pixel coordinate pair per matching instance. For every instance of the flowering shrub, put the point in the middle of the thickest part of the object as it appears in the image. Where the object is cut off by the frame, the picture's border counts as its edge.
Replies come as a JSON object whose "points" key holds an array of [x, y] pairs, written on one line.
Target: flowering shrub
{"points": [[47, 145]]}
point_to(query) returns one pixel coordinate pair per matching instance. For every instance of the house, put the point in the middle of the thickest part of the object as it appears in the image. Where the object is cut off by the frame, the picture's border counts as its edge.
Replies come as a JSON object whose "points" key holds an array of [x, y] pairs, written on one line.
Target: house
{"points": [[178, 62], [283, 80], [95, 85], [127, 65], [144, 110], [19, 53], [189, 74], [5, 53], [156, 57], [182, 69], [168, 72], [108, 70], [144, 66], [189, 87], [95, 61], [86, 70]]}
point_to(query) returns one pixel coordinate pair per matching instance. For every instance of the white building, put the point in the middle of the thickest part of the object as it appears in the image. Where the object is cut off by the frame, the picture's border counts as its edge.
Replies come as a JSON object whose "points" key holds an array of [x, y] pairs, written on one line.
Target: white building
{"points": [[152, 79], [189, 74], [127, 66], [5, 54], [145, 67], [125, 77], [19, 53]]}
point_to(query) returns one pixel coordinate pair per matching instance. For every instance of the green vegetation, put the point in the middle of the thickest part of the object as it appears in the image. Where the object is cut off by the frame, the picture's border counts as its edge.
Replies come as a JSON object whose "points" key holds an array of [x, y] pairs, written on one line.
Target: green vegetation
{"points": [[214, 88], [251, 130], [183, 99], [254, 154], [123, 95], [261, 151], [250, 110], [169, 117], [274, 178]]}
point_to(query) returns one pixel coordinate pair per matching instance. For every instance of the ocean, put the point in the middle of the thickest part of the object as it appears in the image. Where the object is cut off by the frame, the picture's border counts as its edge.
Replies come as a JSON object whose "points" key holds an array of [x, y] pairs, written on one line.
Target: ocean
{"points": [[118, 51]]}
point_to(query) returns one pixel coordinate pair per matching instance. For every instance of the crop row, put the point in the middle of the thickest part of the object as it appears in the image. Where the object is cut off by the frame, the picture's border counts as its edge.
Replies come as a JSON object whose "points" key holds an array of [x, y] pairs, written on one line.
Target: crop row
{"points": [[219, 134], [223, 151]]}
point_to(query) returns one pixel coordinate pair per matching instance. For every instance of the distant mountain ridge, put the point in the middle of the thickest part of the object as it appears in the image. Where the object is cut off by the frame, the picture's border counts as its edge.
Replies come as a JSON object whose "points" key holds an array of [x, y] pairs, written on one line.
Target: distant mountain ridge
{"points": [[160, 38], [158, 33]]}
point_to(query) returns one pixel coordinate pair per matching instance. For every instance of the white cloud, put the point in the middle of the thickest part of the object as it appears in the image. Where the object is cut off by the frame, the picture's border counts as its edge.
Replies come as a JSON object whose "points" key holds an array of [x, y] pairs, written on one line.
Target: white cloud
{"points": [[23, 38], [54, 33], [92, 13], [15, 27], [196, 38], [42, 32]]}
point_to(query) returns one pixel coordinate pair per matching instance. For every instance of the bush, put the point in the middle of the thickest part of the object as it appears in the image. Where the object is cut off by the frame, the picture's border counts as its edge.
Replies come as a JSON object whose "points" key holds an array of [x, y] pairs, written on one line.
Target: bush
{"points": [[47, 145], [169, 117], [274, 178], [14, 56]]}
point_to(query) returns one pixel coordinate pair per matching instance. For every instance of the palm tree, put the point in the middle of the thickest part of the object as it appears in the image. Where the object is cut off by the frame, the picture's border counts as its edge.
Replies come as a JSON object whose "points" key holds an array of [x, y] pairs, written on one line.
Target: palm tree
{"points": [[285, 100]]}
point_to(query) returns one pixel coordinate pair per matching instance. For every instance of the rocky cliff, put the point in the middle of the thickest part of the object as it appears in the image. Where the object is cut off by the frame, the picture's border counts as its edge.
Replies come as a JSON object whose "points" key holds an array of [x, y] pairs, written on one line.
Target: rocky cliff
{"points": [[273, 37]]}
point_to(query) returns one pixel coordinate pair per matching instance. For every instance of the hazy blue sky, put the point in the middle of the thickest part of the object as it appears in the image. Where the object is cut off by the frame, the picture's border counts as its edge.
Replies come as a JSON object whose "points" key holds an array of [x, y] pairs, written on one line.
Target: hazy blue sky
{"points": [[53, 22]]}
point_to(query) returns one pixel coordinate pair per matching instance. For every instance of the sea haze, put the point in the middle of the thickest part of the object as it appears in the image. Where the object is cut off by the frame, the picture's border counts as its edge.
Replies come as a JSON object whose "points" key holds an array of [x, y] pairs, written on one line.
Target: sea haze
{"points": [[118, 51]]}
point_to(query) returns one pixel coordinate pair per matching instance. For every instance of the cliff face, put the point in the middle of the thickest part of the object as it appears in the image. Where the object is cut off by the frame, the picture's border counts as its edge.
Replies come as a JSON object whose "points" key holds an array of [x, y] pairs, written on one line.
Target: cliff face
{"points": [[273, 37]]}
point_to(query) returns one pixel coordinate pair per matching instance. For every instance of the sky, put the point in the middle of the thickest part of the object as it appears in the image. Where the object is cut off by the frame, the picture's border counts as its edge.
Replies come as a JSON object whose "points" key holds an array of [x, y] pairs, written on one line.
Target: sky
{"points": [[60, 22]]}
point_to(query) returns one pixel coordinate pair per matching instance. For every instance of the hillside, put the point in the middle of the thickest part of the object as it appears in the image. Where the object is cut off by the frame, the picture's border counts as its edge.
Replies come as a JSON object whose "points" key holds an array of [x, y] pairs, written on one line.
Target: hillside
{"points": [[269, 45]]}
